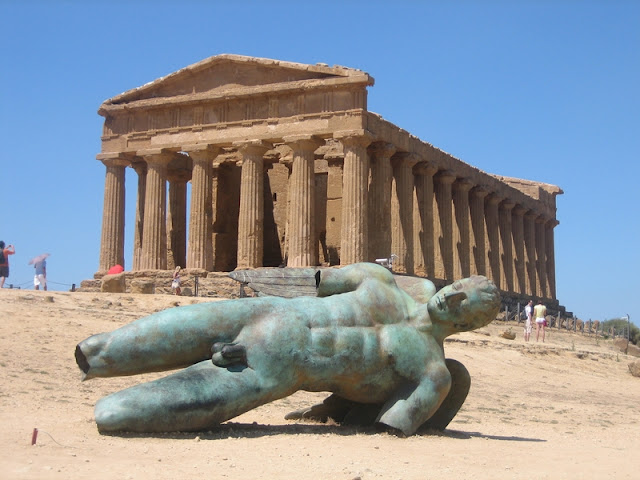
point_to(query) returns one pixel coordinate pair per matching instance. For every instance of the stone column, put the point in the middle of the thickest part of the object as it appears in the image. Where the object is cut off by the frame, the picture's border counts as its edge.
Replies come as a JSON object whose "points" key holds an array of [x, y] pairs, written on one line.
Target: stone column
{"points": [[177, 219], [354, 227], [303, 242], [215, 219], [154, 235], [141, 170], [251, 215], [200, 249], [493, 239], [506, 244], [541, 256], [380, 200], [423, 219], [443, 212], [517, 224], [112, 240], [402, 211], [551, 261], [461, 229], [478, 236], [532, 287]]}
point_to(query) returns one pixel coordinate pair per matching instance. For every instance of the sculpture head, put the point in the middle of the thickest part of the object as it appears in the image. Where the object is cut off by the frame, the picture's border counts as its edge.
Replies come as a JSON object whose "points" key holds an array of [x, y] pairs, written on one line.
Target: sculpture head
{"points": [[465, 305]]}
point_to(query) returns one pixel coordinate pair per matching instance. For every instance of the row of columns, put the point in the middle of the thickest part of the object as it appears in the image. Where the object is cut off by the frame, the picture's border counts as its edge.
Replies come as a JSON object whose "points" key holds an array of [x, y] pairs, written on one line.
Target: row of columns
{"points": [[445, 227], [438, 225]]}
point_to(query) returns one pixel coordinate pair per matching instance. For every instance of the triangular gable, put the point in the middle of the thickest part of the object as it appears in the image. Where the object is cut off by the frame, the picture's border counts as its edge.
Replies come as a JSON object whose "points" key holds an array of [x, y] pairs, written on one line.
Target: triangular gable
{"points": [[228, 73]]}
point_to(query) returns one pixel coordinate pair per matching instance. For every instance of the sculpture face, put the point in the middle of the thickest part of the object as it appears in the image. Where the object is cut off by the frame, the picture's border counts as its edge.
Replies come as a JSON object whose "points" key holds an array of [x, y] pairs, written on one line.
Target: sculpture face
{"points": [[463, 304]]}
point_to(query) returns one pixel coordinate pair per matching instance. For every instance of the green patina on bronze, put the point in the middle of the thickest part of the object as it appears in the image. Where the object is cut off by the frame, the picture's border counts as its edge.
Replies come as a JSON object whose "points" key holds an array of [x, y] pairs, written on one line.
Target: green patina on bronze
{"points": [[377, 346]]}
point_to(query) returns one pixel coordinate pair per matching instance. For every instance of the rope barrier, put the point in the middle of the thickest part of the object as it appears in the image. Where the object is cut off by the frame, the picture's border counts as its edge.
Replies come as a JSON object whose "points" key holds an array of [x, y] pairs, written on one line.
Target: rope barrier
{"points": [[34, 438], [58, 283], [30, 282]]}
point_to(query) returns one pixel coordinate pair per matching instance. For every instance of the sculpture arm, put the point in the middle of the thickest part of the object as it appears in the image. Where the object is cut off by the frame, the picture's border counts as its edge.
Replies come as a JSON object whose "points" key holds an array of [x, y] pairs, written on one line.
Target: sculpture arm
{"points": [[349, 278], [411, 407]]}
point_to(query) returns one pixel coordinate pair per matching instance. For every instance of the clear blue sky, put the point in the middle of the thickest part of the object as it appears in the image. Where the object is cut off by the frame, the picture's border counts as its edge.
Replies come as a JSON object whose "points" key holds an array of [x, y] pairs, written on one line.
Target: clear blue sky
{"points": [[541, 90]]}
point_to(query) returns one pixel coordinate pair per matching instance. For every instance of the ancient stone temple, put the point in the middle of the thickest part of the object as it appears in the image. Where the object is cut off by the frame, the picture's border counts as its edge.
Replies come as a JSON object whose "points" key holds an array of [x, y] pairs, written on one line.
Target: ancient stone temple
{"points": [[288, 167]]}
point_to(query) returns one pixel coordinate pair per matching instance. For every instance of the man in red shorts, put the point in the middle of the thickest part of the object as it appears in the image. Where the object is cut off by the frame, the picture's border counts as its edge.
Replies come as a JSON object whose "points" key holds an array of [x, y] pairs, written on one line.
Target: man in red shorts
{"points": [[4, 261]]}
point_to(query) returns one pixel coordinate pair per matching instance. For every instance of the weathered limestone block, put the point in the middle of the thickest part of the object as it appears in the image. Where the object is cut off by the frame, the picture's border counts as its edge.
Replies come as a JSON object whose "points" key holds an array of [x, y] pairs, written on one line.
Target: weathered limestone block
{"points": [[143, 286], [508, 334], [634, 368], [626, 347], [113, 283]]}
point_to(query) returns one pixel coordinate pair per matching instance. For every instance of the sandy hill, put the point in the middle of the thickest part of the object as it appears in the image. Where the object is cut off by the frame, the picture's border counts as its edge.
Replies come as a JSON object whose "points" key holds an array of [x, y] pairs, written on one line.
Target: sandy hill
{"points": [[568, 408]]}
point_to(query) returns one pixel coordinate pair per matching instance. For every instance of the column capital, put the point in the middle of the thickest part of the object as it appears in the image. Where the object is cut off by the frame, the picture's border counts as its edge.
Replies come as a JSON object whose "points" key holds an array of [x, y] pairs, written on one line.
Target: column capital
{"points": [[494, 199], [354, 138], [462, 185], [553, 223], [201, 152], [541, 219], [445, 177], [156, 156], [530, 215], [519, 210], [383, 150], [116, 159], [252, 147], [507, 204], [479, 192], [179, 175], [425, 168], [149, 152], [405, 159], [304, 142]]}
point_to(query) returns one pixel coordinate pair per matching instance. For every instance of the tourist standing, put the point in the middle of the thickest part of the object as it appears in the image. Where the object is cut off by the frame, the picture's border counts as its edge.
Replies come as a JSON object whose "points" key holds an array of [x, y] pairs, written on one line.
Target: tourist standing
{"points": [[175, 284], [4, 261], [40, 277], [528, 310], [540, 312]]}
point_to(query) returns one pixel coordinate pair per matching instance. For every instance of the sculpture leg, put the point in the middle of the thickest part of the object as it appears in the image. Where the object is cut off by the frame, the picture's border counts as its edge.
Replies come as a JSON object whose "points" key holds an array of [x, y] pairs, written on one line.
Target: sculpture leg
{"points": [[460, 384], [169, 339], [196, 398]]}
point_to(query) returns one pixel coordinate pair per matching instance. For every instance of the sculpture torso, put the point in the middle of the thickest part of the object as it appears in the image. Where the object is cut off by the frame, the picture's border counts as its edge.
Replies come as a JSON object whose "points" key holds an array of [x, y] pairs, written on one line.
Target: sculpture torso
{"points": [[362, 344]]}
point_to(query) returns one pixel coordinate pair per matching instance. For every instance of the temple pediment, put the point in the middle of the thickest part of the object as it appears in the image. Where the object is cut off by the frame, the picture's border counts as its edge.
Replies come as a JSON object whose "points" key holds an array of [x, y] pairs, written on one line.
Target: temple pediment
{"points": [[228, 76]]}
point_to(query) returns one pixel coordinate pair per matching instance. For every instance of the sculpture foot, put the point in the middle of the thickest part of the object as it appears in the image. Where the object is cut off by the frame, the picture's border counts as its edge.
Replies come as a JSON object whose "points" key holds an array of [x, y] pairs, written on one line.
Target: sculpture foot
{"points": [[81, 360]]}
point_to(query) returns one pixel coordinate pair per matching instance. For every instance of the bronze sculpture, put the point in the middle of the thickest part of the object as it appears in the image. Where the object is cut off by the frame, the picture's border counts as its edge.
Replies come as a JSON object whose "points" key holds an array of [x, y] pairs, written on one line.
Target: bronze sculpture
{"points": [[375, 346]]}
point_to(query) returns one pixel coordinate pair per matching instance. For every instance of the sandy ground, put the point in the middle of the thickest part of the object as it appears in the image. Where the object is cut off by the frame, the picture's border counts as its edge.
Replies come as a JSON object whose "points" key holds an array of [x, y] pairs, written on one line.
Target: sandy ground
{"points": [[565, 409]]}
